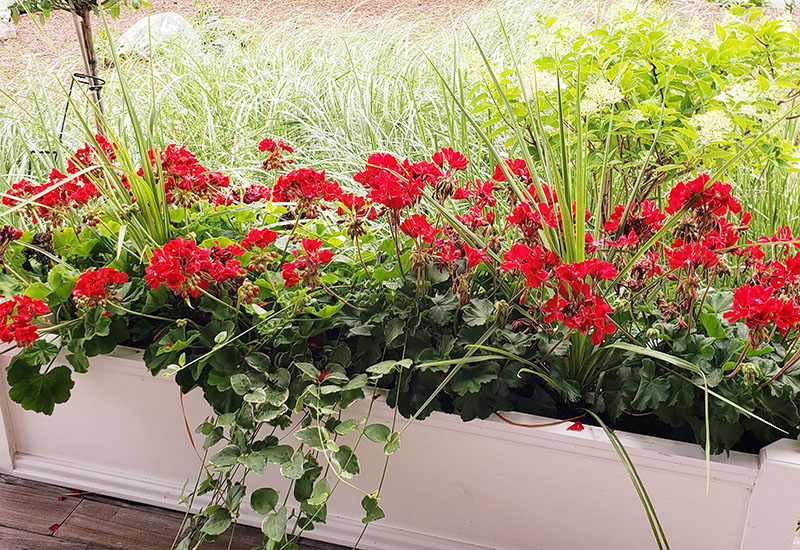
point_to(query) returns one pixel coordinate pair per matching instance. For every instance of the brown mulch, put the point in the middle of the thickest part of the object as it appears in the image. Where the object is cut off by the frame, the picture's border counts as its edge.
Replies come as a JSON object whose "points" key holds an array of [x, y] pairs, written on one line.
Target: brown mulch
{"points": [[57, 39], [55, 44]]}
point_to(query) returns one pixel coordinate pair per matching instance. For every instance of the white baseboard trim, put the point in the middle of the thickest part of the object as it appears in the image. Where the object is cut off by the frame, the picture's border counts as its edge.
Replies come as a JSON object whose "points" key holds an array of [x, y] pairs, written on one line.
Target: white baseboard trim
{"points": [[166, 494]]}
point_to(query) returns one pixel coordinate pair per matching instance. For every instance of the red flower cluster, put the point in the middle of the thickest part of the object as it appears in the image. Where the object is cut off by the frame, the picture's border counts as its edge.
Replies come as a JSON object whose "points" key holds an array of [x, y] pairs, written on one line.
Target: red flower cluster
{"points": [[517, 167], [761, 311], [455, 160], [51, 201], [276, 150], [88, 156], [392, 184], [187, 268], [715, 198], [576, 304], [480, 195], [690, 256], [16, 315], [92, 286], [419, 228], [186, 181], [533, 262], [244, 195], [643, 221], [306, 187], [308, 263], [356, 211], [260, 238], [530, 218]]}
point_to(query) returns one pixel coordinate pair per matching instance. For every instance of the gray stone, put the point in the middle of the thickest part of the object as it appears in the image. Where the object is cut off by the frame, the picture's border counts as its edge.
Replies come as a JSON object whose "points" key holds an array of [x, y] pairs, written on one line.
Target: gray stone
{"points": [[155, 30], [7, 30]]}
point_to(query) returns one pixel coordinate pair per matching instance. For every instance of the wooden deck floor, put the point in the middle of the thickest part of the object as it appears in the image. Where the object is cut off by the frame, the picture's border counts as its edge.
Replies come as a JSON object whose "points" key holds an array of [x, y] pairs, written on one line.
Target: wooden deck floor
{"points": [[36, 516]]}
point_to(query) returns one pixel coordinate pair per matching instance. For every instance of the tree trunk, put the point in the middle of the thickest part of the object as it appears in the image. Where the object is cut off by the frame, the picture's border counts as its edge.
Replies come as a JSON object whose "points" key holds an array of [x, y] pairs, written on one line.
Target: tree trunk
{"points": [[83, 26]]}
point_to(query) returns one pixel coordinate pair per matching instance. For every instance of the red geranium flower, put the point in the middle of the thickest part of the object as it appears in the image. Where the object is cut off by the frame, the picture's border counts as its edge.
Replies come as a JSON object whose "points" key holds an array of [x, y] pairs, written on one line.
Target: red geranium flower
{"points": [[418, 227], [92, 287], [474, 257], [690, 256], [389, 182], [517, 167], [715, 198], [182, 265], [185, 180], [454, 159], [276, 149], [760, 311], [531, 261], [260, 238], [306, 187], [16, 315], [306, 264]]}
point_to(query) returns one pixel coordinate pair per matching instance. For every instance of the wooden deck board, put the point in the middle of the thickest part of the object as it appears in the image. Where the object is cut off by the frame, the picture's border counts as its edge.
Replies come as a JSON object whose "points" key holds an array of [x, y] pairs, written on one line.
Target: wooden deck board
{"points": [[34, 510], [29, 509]]}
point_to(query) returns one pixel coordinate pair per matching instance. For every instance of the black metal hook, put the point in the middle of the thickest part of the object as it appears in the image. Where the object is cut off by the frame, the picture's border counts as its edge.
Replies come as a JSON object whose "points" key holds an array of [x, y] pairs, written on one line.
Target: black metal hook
{"points": [[94, 83]]}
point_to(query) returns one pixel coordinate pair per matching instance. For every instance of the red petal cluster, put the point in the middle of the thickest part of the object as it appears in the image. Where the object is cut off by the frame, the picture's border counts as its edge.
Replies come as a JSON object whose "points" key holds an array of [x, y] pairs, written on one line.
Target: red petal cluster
{"points": [[54, 199], [392, 184], [276, 151], [185, 180], [419, 228], [306, 187], [455, 160], [760, 310], [16, 315], [93, 285], [260, 238], [306, 264], [715, 198], [187, 269]]}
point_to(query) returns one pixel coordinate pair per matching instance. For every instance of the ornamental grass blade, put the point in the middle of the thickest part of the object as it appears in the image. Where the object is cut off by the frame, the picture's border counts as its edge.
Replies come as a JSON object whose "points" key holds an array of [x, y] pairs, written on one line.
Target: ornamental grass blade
{"points": [[652, 517]]}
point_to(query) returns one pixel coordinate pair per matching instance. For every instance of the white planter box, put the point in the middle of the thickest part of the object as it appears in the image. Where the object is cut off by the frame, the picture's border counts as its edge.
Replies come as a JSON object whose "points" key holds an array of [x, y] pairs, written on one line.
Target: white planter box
{"points": [[452, 485]]}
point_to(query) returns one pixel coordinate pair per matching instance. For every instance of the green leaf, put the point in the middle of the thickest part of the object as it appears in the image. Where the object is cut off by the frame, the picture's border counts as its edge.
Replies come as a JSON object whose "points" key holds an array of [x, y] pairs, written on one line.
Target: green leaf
{"points": [[377, 433], [322, 491], [254, 461], [263, 501], [257, 396], [385, 367], [309, 370], [240, 383], [478, 312], [226, 457], [470, 378], [276, 396], [38, 291], [278, 454], [652, 391], [259, 361], [274, 525], [346, 427], [347, 461], [35, 390], [373, 511], [293, 469], [313, 436], [79, 362], [392, 444], [712, 325], [217, 523]]}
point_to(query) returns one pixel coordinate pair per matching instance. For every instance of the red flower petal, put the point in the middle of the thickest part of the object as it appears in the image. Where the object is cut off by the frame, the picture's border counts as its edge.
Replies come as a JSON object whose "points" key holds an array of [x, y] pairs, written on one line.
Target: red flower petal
{"points": [[576, 427]]}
